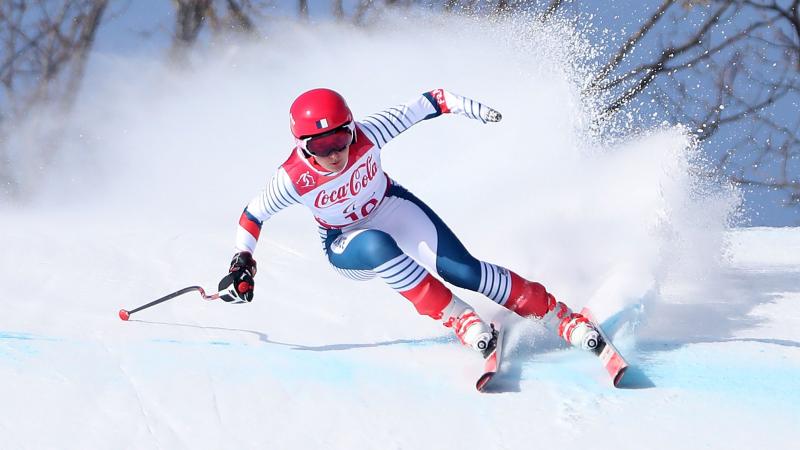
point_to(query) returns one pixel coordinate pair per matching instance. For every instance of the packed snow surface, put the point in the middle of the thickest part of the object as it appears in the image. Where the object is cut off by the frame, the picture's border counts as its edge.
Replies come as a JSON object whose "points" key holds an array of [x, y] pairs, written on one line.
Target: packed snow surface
{"points": [[160, 166]]}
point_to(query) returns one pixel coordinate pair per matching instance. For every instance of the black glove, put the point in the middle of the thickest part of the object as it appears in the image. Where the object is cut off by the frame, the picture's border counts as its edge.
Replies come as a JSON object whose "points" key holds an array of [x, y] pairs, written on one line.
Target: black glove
{"points": [[237, 286]]}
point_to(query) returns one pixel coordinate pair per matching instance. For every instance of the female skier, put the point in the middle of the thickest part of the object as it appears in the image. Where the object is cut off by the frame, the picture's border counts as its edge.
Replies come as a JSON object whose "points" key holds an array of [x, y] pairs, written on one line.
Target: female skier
{"points": [[371, 226]]}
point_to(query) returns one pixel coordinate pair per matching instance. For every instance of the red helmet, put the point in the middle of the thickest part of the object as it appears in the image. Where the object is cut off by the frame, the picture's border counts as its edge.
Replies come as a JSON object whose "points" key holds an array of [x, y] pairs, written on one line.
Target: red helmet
{"points": [[318, 111]]}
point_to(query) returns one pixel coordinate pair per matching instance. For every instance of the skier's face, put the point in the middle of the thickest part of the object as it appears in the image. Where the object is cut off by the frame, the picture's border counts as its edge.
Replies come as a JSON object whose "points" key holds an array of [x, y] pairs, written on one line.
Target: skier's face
{"points": [[335, 161]]}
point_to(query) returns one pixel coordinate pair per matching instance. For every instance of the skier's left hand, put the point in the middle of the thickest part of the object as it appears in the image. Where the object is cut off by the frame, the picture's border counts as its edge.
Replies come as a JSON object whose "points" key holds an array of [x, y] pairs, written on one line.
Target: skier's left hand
{"points": [[238, 285], [492, 115], [457, 104]]}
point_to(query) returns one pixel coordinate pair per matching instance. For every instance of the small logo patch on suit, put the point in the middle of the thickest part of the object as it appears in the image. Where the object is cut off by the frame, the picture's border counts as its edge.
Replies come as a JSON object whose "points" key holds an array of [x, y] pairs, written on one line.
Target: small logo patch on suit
{"points": [[306, 179], [339, 245]]}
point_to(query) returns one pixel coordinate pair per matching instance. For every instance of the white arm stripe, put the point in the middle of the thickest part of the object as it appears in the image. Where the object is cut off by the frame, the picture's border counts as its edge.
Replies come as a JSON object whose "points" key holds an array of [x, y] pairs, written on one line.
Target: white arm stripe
{"points": [[370, 134], [245, 242], [386, 125], [374, 134], [281, 189], [401, 117], [391, 120], [379, 129], [277, 195]]}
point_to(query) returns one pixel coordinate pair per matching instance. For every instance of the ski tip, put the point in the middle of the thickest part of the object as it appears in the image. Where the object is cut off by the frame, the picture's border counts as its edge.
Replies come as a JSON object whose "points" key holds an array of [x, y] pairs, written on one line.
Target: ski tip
{"points": [[483, 381], [124, 315], [618, 376]]}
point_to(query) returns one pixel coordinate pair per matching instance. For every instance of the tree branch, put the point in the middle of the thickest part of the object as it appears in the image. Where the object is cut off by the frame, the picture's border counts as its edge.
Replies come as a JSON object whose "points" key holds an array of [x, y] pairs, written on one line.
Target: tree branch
{"points": [[551, 10], [631, 43], [659, 66]]}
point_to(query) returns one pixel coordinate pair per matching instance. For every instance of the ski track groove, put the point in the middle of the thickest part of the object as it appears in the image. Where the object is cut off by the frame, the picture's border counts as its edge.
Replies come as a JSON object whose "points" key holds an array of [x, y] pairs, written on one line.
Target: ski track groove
{"points": [[130, 381], [214, 400]]}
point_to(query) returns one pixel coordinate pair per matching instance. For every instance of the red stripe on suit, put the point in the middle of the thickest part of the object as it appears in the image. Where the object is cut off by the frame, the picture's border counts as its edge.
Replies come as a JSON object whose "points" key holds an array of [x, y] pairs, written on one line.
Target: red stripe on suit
{"points": [[250, 226]]}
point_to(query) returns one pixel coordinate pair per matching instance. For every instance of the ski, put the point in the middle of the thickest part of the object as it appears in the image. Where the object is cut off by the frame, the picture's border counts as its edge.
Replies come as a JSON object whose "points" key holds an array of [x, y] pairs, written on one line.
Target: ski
{"points": [[611, 358], [492, 359]]}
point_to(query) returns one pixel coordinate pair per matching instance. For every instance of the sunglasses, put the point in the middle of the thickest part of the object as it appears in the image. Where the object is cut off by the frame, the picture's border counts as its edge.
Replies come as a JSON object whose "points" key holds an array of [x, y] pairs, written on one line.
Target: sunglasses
{"points": [[332, 141]]}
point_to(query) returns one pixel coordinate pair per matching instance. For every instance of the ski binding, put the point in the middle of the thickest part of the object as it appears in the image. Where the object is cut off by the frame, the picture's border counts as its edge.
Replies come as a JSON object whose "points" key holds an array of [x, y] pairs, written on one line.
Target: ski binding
{"points": [[492, 359]]}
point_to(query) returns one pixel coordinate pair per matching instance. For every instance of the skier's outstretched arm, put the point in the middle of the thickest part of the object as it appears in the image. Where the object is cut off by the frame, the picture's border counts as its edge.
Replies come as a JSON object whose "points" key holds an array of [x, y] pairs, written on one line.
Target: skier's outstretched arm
{"points": [[386, 125], [278, 195]]}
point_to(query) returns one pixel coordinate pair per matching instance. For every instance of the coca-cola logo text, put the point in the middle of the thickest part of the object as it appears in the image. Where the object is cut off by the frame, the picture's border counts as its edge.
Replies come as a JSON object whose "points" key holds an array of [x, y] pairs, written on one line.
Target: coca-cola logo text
{"points": [[359, 179]]}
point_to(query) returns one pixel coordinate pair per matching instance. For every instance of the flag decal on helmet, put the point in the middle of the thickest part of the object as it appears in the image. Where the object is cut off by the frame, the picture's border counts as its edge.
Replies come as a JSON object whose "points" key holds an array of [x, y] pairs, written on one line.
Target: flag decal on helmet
{"points": [[317, 111]]}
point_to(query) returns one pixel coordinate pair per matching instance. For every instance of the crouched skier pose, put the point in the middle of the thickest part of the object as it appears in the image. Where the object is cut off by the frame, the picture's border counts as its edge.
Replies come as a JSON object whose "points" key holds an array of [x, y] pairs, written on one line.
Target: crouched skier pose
{"points": [[371, 226]]}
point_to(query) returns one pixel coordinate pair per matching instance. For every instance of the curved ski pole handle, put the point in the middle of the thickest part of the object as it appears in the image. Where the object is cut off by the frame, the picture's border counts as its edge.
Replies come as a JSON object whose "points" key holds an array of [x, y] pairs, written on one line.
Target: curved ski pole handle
{"points": [[125, 314]]}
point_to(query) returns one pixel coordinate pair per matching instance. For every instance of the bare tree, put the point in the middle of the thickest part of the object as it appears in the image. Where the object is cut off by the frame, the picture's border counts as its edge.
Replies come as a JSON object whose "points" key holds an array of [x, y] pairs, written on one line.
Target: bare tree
{"points": [[727, 69], [338, 9], [302, 8], [551, 9], [190, 17], [495, 7], [732, 76], [221, 17], [45, 48]]}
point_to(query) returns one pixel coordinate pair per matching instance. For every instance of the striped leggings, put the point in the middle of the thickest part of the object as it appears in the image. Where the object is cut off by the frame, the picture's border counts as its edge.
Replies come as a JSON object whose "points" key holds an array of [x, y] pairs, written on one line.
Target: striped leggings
{"points": [[404, 239]]}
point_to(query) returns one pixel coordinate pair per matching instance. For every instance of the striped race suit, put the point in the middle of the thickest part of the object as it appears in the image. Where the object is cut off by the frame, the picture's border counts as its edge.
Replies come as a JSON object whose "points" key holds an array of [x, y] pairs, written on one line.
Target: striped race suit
{"points": [[371, 226]]}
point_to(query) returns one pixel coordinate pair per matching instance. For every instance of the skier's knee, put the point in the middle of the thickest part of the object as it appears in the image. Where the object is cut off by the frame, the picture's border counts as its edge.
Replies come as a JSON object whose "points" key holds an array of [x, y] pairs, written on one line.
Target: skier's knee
{"points": [[364, 249]]}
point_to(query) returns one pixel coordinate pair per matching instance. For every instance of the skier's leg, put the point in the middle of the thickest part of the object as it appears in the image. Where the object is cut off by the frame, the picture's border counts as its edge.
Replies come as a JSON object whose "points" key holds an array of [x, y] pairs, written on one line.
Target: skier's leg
{"points": [[427, 234], [364, 254], [531, 299]]}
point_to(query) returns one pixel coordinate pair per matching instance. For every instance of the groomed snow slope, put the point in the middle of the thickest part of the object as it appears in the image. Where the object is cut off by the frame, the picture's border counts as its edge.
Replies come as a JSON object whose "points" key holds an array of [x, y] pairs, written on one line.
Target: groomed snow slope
{"points": [[162, 163]]}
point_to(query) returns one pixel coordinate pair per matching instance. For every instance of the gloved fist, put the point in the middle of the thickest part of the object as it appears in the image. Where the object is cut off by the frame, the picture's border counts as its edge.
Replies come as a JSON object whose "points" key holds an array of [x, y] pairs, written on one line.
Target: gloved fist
{"points": [[491, 115], [457, 104], [238, 285]]}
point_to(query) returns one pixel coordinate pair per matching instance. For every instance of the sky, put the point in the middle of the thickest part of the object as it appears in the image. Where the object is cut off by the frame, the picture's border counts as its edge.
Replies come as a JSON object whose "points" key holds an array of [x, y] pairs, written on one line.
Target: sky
{"points": [[614, 21]]}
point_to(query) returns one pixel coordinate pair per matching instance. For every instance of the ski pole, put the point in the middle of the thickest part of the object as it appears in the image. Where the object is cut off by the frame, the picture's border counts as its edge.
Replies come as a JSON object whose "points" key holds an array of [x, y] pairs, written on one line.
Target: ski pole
{"points": [[125, 314]]}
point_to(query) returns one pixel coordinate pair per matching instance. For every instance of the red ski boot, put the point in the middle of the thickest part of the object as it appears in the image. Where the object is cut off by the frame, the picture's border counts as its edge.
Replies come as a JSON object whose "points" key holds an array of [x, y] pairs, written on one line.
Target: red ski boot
{"points": [[530, 299]]}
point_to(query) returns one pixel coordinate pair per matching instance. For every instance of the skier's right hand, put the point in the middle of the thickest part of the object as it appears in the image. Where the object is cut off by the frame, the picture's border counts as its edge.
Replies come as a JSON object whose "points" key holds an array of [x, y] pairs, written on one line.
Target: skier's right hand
{"points": [[237, 286]]}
